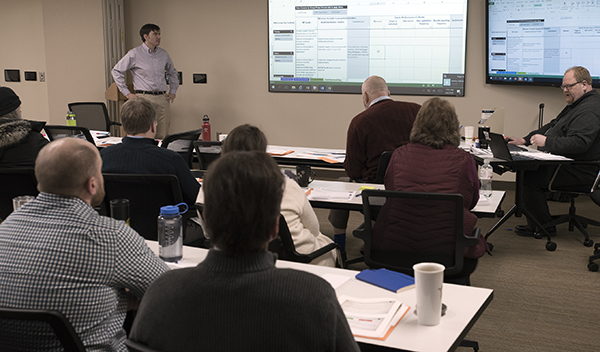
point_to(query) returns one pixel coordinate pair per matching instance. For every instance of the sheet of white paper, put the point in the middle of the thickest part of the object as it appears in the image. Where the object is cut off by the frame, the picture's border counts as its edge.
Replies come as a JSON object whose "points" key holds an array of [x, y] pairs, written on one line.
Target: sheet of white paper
{"points": [[336, 280], [323, 194]]}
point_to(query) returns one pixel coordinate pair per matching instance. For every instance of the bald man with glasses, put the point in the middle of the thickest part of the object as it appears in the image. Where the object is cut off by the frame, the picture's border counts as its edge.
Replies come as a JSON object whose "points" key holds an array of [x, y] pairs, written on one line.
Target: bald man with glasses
{"points": [[574, 133]]}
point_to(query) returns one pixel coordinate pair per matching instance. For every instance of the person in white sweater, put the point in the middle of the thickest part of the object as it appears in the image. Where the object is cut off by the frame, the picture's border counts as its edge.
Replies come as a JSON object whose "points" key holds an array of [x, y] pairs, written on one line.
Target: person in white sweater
{"points": [[295, 208]]}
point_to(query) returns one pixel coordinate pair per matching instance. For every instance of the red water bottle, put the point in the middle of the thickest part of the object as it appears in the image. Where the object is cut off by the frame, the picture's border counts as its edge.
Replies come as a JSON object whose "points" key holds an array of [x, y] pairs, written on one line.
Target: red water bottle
{"points": [[205, 128]]}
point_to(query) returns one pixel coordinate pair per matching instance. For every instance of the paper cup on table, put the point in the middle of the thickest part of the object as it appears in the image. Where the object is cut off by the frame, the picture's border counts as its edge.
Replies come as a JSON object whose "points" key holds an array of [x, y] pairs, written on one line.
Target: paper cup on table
{"points": [[429, 278], [20, 200], [469, 131]]}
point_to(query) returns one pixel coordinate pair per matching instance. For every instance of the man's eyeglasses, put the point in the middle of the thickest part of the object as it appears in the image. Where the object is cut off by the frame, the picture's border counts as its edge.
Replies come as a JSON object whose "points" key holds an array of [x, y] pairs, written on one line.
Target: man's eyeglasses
{"points": [[569, 86]]}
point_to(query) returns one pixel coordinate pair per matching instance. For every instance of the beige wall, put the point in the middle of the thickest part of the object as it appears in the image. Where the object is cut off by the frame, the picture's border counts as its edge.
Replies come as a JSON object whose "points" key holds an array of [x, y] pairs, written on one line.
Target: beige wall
{"points": [[23, 48], [228, 41], [62, 38]]}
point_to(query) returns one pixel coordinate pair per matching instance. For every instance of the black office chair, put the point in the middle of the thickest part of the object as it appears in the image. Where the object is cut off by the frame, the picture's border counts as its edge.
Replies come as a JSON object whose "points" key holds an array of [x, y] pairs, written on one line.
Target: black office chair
{"points": [[55, 132], [592, 265], [284, 246], [146, 194], [15, 182], [37, 329], [182, 143], [134, 346], [384, 161], [572, 218], [207, 152], [439, 237], [92, 115]]}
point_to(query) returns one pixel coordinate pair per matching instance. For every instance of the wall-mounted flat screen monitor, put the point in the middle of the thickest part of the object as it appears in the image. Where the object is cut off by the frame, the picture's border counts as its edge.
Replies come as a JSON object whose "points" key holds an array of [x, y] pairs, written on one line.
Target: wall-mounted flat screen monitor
{"points": [[332, 46], [533, 42]]}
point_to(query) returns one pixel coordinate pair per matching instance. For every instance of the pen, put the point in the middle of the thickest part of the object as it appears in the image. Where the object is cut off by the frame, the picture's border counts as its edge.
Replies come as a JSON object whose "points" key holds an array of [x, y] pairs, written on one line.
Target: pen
{"points": [[308, 192]]}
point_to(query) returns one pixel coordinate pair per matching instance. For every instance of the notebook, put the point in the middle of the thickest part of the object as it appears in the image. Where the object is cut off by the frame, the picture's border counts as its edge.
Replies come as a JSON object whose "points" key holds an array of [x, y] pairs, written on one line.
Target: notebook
{"points": [[500, 149]]}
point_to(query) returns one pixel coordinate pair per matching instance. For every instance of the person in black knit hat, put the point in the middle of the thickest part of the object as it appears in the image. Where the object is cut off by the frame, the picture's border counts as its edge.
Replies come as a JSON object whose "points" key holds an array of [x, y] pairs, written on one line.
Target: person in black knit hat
{"points": [[20, 140]]}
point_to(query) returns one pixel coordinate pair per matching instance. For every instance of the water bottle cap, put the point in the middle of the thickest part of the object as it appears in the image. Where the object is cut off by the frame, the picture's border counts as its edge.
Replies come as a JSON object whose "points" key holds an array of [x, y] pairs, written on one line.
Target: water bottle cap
{"points": [[172, 209], [205, 118]]}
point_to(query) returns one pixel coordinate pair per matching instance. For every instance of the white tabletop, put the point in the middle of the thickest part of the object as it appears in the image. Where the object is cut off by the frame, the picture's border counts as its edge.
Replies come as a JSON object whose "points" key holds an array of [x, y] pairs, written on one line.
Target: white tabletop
{"points": [[331, 194], [307, 153], [464, 303]]}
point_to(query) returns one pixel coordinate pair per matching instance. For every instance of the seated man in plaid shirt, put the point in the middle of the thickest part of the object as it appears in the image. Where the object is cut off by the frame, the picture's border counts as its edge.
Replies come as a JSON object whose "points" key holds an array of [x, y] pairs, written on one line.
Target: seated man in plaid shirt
{"points": [[57, 252]]}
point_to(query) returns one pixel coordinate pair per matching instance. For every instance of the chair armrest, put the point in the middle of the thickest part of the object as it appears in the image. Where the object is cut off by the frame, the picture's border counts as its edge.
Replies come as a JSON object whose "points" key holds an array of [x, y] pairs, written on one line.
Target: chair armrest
{"points": [[474, 239], [319, 252]]}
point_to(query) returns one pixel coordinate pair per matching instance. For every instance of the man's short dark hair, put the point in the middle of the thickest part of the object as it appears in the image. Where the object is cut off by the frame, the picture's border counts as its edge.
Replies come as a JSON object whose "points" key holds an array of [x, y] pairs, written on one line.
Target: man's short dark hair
{"points": [[137, 116], [245, 137], [581, 74], [147, 28], [242, 201]]}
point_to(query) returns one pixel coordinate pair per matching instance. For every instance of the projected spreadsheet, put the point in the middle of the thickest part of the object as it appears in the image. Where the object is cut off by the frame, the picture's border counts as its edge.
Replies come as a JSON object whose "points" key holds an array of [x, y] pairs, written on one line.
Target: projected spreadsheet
{"points": [[336, 47]]}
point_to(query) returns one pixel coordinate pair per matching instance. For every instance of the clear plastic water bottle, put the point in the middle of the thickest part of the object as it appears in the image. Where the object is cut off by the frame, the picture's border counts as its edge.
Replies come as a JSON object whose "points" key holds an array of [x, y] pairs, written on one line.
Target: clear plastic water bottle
{"points": [[486, 173], [71, 118], [170, 233]]}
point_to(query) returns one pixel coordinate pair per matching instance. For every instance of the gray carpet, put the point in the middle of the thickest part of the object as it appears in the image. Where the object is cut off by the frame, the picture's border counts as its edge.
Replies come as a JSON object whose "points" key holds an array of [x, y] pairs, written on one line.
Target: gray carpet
{"points": [[543, 301]]}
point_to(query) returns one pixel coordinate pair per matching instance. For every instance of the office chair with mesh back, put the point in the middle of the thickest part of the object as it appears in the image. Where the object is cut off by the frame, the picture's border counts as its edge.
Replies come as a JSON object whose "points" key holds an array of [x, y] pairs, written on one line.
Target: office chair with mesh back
{"points": [[33, 330], [55, 132], [284, 246], [182, 143], [207, 152], [146, 194], [572, 218], [15, 182], [432, 226], [92, 115]]}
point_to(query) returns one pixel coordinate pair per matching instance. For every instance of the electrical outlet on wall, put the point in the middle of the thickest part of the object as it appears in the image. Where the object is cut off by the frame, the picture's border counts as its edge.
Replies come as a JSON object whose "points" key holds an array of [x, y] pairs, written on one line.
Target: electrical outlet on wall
{"points": [[42, 77]]}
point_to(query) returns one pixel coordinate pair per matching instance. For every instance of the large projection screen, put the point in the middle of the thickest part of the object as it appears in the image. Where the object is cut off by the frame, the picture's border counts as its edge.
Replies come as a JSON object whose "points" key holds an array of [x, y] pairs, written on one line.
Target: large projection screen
{"points": [[332, 46], [535, 42]]}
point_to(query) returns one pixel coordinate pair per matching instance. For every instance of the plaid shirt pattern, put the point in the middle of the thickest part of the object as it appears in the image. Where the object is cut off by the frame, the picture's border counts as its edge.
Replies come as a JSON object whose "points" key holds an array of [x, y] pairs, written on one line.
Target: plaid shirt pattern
{"points": [[59, 253]]}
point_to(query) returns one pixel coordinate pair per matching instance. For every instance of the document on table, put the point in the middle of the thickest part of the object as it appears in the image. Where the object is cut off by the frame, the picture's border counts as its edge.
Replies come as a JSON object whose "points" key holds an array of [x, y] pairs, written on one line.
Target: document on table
{"points": [[324, 194], [544, 156], [279, 152], [372, 317]]}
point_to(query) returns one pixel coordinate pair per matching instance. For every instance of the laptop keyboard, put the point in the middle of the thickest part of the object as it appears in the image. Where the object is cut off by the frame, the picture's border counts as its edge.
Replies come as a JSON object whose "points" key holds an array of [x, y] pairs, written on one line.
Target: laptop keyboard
{"points": [[515, 148], [521, 157]]}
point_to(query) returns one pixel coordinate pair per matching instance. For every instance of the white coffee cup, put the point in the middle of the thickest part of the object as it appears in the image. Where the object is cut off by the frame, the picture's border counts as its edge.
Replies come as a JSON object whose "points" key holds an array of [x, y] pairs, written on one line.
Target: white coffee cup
{"points": [[469, 131], [429, 279]]}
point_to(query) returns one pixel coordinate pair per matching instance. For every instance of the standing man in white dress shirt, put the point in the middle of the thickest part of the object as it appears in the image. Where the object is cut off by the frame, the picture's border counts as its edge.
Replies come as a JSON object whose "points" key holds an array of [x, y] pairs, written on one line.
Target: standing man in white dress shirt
{"points": [[148, 64]]}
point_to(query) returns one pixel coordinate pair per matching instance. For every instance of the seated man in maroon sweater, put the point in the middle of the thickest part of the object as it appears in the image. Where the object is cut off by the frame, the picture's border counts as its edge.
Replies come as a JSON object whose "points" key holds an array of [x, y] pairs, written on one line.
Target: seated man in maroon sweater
{"points": [[384, 125]]}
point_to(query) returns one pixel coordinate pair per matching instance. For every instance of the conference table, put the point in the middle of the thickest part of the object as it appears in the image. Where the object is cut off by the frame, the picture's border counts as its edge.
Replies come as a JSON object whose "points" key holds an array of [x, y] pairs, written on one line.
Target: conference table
{"points": [[465, 305], [283, 155], [314, 157], [347, 196], [501, 166]]}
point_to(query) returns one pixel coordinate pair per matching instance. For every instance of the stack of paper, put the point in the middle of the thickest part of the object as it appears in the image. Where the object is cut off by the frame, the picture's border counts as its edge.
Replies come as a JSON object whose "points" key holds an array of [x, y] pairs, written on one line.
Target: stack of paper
{"points": [[372, 317]]}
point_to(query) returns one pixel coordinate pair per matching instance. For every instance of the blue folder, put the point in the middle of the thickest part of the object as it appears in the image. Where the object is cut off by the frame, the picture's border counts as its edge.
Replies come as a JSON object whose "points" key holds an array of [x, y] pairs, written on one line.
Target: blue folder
{"points": [[387, 279]]}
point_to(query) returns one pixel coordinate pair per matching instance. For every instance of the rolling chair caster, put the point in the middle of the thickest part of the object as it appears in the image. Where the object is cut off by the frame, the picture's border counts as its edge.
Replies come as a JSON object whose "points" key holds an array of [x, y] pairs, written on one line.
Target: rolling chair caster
{"points": [[551, 246], [588, 243]]}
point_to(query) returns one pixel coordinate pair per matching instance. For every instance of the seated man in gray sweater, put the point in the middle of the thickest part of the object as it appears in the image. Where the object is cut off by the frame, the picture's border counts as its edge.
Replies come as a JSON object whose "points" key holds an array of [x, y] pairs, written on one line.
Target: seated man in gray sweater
{"points": [[236, 299]]}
